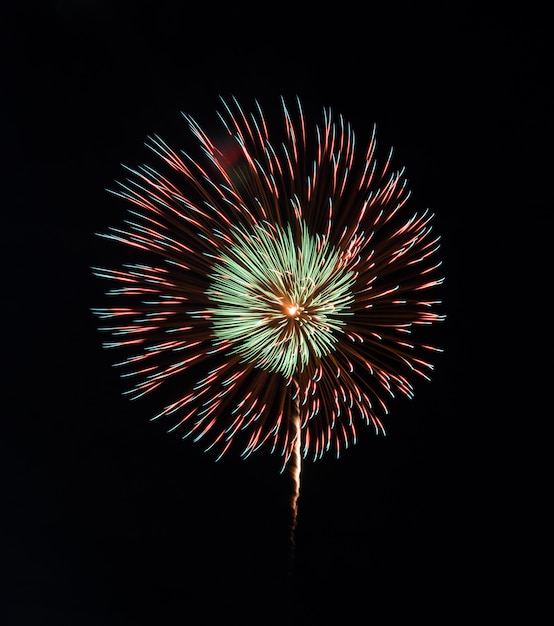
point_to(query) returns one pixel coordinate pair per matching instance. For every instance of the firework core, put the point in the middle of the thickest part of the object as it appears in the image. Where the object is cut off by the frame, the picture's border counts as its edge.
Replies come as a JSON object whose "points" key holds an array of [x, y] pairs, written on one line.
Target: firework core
{"points": [[293, 310], [281, 296]]}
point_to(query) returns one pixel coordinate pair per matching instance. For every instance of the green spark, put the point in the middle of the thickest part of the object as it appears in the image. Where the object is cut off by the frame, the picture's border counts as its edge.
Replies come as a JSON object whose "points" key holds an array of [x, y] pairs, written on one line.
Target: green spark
{"points": [[280, 297]]}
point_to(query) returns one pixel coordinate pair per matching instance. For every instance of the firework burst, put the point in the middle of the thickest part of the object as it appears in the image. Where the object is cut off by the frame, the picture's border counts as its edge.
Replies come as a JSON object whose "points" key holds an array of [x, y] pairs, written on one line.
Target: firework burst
{"points": [[281, 282]]}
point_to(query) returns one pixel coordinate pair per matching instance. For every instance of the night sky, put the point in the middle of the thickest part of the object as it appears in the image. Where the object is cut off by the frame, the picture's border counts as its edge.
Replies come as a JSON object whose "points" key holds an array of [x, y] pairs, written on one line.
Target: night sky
{"points": [[107, 520]]}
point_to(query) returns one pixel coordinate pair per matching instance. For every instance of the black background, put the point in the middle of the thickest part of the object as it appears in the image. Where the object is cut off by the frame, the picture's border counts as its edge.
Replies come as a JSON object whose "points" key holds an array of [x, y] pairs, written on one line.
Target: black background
{"points": [[108, 520]]}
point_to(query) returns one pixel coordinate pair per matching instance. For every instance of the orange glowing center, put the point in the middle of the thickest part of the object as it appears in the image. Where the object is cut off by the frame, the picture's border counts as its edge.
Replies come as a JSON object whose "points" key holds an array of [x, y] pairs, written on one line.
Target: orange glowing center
{"points": [[293, 310]]}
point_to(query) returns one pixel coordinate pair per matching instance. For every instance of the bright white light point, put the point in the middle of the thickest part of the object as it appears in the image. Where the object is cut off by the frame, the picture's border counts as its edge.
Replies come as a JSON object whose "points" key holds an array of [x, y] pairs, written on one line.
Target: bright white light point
{"points": [[292, 310]]}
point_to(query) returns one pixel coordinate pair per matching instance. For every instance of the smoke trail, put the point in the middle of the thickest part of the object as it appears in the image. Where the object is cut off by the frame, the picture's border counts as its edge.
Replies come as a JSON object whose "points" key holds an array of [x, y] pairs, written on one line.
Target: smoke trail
{"points": [[294, 465]]}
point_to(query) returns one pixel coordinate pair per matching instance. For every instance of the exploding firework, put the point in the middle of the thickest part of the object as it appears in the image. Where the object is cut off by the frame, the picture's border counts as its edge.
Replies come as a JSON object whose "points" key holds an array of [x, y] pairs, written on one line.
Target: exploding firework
{"points": [[282, 284]]}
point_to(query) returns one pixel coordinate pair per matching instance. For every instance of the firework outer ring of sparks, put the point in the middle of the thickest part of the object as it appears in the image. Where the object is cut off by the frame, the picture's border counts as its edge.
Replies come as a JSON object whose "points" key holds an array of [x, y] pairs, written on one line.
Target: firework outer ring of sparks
{"points": [[205, 215]]}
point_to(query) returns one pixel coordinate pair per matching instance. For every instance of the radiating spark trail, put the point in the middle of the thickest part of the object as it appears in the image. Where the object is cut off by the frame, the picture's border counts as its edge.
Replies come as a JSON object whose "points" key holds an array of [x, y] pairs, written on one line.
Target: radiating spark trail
{"points": [[273, 260]]}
